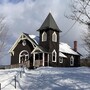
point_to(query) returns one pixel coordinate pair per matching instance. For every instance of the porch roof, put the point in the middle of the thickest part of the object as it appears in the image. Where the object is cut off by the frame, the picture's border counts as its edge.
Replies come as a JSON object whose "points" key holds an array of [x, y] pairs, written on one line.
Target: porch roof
{"points": [[39, 49]]}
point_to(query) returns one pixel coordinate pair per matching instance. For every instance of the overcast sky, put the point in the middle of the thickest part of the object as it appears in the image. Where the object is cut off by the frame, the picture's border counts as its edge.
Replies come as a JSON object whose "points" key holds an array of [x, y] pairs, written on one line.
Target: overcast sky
{"points": [[28, 15]]}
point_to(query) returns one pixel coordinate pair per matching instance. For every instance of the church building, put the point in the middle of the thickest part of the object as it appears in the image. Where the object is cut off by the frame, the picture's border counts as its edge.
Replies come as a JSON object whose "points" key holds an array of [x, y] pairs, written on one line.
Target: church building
{"points": [[43, 50]]}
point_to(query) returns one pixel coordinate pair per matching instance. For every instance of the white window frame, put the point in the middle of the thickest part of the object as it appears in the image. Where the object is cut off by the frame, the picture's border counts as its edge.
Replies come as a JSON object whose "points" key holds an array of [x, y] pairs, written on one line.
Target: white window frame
{"points": [[44, 36], [71, 61], [54, 37], [24, 43], [60, 60], [54, 51], [22, 55]]}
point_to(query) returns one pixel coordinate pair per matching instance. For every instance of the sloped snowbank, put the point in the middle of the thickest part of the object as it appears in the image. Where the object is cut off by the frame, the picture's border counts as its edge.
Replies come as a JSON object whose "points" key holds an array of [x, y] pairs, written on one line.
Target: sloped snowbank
{"points": [[46, 78]]}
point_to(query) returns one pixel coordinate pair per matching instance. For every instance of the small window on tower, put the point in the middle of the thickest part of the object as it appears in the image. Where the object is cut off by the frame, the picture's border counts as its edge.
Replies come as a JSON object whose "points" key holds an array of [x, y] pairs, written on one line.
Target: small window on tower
{"points": [[44, 36], [54, 37]]}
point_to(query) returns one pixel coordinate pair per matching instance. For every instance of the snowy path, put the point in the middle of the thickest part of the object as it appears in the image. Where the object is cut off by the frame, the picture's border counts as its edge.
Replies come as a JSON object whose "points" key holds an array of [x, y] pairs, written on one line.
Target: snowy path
{"points": [[47, 78]]}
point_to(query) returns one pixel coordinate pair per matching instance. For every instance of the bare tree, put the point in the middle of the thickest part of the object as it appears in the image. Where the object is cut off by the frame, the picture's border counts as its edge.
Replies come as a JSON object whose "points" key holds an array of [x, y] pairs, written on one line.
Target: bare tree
{"points": [[80, 12], [3, 36], [86, 39]]}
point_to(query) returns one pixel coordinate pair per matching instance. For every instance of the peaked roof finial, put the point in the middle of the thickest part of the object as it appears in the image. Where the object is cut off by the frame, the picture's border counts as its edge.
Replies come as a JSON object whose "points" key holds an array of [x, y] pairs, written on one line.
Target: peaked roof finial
{"points": [[50, 11], [49, 23]]}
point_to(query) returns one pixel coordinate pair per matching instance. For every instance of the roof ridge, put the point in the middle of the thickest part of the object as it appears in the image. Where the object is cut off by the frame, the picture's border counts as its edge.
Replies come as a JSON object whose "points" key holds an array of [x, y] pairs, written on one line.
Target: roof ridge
{"points": [[49, 22]]}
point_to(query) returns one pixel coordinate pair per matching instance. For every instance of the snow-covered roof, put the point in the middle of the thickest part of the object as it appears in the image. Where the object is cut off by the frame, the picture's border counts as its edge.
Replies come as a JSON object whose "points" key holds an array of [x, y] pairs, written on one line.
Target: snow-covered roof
{"points": [[62, 55], [65, 48], [32, 38], [35, 38]]}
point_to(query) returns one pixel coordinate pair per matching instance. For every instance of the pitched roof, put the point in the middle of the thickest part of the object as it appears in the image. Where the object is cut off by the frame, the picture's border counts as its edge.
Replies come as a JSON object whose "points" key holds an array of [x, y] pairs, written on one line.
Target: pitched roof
{"points": [[62, 55], [49, 23], [35, 38], [65, 48], [19, 39], [32, 38]]}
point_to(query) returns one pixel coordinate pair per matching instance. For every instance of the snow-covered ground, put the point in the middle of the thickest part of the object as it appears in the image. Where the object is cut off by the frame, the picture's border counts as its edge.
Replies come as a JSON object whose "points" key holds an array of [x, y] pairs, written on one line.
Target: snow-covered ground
{"points": [[46, 78]]}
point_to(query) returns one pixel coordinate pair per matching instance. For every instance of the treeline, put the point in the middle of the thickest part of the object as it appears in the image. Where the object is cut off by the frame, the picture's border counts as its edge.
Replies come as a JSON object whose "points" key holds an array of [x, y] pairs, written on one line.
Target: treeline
{"points": [[85, 62]]}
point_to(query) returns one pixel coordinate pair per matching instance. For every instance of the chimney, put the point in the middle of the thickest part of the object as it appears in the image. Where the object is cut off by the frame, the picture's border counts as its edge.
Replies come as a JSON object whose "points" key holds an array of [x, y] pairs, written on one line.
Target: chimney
{"points": [[75, 46]]}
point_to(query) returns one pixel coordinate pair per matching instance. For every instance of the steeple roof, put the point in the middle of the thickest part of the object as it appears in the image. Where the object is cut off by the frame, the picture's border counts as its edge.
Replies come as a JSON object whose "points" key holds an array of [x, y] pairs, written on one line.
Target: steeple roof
{"points": [[49, 23]]}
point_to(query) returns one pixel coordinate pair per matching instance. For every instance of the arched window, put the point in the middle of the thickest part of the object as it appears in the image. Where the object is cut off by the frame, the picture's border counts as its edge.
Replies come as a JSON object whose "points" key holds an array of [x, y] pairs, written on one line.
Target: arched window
{"points": [[54, 56], [60, 60], [71, 61], [54, 37], [23, 56], [44, 36]]}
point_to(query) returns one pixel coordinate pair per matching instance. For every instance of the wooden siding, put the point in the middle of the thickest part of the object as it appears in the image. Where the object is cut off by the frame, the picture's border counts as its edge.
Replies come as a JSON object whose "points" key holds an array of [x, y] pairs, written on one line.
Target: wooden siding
{"points": [[18, 49], [49, 45], [66, 62]]}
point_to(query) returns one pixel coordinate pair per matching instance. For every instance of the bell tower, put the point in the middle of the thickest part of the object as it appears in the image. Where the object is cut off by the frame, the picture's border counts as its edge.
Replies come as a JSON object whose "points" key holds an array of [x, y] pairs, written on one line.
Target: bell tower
{"points": [[49, 39]]}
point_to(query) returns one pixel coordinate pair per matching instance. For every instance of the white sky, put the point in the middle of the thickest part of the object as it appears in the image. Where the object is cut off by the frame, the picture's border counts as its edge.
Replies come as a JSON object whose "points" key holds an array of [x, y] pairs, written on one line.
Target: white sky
{"points": [[28, 15]]}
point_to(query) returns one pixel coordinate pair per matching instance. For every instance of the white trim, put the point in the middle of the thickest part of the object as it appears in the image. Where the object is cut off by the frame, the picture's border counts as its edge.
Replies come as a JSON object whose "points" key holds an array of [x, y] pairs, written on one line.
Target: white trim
{"points": [[71, 61], [54, 51], [33, 59], [48, 59], [60, 60], [43, 59], [25, 55], [18, 40], [54, 37], [15, 44], [44, 36], [36, 48], [62, 55], [12, 53]]}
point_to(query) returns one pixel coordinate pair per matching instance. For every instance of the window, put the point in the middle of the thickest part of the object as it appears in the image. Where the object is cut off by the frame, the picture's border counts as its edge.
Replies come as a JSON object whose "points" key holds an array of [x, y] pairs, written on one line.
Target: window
{"points": [[23, 56], [44, 36], [71, 61], [24, 43], [60, 60], [54, 56], [54, 37]]}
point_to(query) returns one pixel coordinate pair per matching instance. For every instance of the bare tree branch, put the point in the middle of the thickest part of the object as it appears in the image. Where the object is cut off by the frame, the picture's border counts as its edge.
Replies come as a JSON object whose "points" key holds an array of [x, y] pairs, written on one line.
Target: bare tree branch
{"points": [[79, 7], [3, 36], [80, 11]]}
